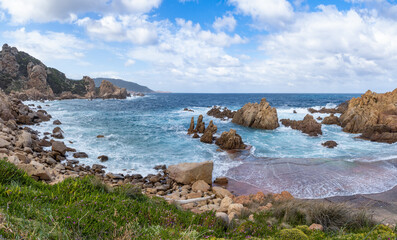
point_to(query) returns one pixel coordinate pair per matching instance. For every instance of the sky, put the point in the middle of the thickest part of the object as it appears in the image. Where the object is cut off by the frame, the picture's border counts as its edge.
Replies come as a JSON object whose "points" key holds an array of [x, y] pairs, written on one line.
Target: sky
{"points": [[213, 46]]}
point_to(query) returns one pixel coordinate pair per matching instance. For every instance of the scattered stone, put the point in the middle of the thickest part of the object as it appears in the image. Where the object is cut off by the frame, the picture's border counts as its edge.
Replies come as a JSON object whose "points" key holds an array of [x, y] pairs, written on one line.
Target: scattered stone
{"points": [[188, 110], [59, 147], [330, 144], [283, 196], [294, 111], [200, 185], [57, 122], [160, 167], [196, 135], [221, 192], [221, 180], [223, 216], [100, 136], [317, 227], [235, 208]]}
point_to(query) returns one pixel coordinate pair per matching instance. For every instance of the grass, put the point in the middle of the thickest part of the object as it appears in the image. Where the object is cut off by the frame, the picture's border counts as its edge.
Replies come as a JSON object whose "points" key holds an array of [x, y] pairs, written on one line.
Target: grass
{"points": [[84, 208]]}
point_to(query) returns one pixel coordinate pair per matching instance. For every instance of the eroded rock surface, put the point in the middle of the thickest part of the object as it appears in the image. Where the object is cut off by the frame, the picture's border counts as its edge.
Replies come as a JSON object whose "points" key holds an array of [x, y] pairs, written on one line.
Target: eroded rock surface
{"points": [[255, 115], [230, 140], [308, 125]]}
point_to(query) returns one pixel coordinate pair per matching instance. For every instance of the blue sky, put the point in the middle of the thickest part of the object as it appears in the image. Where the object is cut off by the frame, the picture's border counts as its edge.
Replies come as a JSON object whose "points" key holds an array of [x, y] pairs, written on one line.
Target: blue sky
{"points": [[213, 45]]}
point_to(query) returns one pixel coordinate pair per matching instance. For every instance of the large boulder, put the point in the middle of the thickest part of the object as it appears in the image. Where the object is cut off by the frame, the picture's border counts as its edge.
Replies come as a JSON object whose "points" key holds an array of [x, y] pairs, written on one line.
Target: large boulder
{"points": [[308, 125], [59, 147], [188, 173], [191, 129], [36, 170], [24, 140], [108, 90], [230, 140], [255, 115]]}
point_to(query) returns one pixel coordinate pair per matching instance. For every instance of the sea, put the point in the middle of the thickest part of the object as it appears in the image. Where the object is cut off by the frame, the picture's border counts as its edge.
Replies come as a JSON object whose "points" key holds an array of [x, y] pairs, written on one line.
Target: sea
{"points": [[141, 132]]}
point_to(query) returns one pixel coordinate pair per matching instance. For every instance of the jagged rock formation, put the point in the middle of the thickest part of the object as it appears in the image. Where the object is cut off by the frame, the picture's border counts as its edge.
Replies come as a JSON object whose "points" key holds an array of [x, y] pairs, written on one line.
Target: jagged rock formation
{"points": [[255, 115], [224, 113], [108, 90], [331, 120], [200, 127], [25, 77], [308, 125], [209, 132], [191, 129], [230, 140], [374, 115]]}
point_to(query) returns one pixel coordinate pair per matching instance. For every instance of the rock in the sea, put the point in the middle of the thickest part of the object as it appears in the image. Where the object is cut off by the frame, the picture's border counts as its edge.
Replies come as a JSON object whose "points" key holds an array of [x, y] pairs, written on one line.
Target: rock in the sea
{"points": [[195, 135], [255, 115], [188, 173], [221, 180], [374, 115], [80, 155], [57, 133], [108, 90], [209, 132], [188, 110], [224, 113], [200, 127], [331, 120], [308, 125], [230, 140], [191, 129], [330, 144], [57, 122], [103, 158]]}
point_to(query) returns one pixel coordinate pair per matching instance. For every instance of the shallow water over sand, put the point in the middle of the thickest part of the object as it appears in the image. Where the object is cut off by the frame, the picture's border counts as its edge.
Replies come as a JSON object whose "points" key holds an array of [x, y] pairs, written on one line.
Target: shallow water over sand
{"points": [[142, 132]]}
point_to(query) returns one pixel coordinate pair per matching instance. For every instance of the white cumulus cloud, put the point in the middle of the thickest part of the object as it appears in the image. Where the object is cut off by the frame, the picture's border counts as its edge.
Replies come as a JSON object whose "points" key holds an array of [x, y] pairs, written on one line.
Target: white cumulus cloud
{"points": [[227, 22], [266, 13]]}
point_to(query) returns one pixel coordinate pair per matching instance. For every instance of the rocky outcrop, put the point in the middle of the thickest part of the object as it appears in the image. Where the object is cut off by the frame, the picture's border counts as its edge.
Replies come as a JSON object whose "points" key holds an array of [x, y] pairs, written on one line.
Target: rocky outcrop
{"points": [[330, 144], [230, 140], [108, 90], [208, 136], [200, 127], [89, 87], [308, 125], [255, 115], [374, 115], [37, 79], [188, 173], [331, 120], [224, 113], [191, 129], [341, 108]]}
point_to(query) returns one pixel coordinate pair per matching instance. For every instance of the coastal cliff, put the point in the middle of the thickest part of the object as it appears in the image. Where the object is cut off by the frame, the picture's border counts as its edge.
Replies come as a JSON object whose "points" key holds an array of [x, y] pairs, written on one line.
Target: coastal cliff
{"points": [[27, 78]]}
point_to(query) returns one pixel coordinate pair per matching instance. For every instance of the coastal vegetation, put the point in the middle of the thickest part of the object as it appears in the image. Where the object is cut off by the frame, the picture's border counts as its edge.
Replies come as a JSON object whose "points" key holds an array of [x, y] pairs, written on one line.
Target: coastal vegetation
{"points": [[85, 208]]}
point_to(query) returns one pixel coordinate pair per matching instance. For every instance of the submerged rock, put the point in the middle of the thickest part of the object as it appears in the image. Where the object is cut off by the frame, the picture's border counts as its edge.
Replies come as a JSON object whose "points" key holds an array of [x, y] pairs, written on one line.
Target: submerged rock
{"points": [[308, 125], [80, 155], [230, 140], [57, 133], [188, 173], [330, 144], [255, 115]]}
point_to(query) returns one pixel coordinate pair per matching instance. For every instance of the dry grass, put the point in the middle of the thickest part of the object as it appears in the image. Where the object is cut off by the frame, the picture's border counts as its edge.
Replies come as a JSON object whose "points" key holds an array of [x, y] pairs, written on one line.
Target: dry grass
{"points": [[333, 216]]}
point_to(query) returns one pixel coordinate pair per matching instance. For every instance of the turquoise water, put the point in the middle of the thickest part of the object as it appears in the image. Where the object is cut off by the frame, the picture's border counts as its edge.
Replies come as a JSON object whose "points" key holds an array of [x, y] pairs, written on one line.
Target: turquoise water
{"points": [[143, 132]]}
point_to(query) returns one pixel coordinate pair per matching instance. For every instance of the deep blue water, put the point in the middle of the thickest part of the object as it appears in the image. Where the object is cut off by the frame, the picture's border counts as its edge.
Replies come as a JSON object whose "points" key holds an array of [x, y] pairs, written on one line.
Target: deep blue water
{"points": [[143, 132]]}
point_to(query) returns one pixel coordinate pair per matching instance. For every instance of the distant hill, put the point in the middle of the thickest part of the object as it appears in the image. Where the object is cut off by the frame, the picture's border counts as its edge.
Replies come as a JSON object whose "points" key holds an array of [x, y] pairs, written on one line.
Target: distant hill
{"points": [[130, 86]]}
